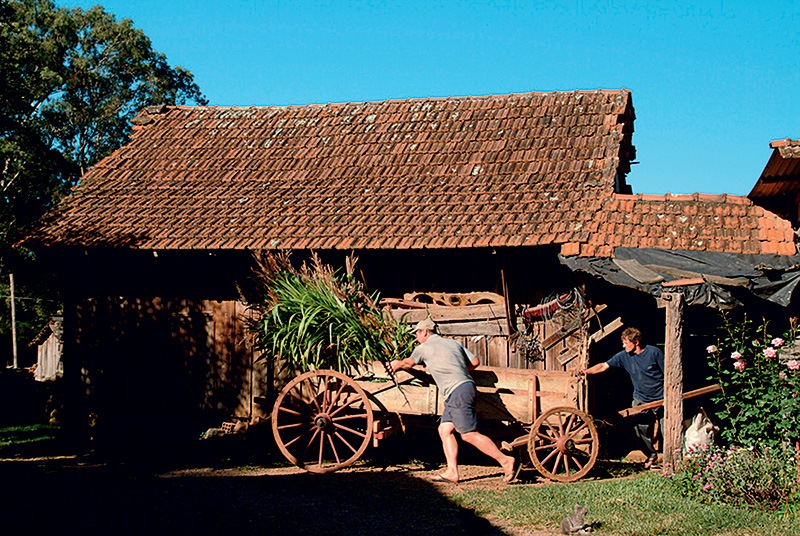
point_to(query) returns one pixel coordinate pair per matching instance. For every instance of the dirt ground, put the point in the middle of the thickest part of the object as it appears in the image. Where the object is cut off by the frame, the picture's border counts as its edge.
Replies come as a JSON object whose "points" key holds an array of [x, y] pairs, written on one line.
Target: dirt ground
{"points": [[222, 491], [82, 497]]}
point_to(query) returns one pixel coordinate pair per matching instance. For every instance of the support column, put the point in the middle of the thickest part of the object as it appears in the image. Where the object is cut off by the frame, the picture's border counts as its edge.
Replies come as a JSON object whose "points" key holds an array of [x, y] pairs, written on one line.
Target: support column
{"points": [[15, 363], [673, 378]]}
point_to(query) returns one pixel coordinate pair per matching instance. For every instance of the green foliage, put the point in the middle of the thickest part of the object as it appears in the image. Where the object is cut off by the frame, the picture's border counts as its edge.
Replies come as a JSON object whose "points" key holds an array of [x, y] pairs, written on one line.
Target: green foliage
{"points": [[643, 504], [760, 379], [32, 440], [70, 82], [316, 317], [765, 478]]}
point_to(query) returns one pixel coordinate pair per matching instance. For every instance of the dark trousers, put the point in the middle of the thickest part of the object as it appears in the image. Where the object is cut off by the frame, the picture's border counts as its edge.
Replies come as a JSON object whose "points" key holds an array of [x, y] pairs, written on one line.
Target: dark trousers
{"points": [[644, 425]]}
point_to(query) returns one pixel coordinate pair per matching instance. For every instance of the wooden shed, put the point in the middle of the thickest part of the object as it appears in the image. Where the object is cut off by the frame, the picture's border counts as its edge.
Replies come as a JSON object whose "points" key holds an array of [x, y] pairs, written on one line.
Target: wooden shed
{"points": [[778, 187], [521, 196]]}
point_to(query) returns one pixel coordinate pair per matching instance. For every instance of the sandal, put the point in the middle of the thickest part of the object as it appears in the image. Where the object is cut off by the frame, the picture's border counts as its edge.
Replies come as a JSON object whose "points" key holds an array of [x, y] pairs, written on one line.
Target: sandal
{"points": [[651, 461]]}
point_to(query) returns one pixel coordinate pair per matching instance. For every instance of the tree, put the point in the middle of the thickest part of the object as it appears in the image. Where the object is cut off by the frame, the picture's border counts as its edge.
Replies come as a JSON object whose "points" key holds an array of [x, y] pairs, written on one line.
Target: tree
{"points": [[70, 82]]}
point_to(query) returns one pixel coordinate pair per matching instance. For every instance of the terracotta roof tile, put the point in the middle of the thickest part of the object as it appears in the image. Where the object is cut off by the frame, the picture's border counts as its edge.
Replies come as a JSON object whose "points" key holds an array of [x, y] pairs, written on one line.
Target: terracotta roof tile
{"points": [[518, 170], [356, 174], [696, 222], [779, 184]]}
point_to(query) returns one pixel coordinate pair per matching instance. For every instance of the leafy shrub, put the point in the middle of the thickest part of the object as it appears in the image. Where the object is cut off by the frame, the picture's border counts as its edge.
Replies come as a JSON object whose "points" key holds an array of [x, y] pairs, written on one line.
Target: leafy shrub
{"points": [[765, 478], [759, 376], [760, 379], [316, 317]]}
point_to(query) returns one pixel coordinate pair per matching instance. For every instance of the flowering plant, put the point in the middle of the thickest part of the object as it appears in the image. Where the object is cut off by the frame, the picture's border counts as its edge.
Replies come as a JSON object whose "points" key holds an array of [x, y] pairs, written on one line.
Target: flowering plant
{"points": [[760, 379], [764, 478]]}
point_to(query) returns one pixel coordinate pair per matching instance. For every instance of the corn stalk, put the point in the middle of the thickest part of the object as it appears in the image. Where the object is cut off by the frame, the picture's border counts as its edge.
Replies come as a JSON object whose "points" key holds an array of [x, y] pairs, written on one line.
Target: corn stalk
{"points": [[315, 317]]}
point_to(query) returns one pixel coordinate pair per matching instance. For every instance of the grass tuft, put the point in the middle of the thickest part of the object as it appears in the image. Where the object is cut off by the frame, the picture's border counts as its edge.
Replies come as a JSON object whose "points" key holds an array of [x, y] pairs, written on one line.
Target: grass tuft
{"points": [[641, 505], [31, 440]]}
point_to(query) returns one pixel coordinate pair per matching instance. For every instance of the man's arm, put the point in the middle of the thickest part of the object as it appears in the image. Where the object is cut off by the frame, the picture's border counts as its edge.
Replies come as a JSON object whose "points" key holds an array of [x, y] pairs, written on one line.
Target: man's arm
{"points": [[473, 363], [596, 369], [407, 363]]}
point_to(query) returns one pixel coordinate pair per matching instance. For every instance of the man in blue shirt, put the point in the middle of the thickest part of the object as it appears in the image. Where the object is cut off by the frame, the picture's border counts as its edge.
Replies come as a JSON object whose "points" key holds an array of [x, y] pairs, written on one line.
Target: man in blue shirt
{"points": [[645, 366], [450, 363]]}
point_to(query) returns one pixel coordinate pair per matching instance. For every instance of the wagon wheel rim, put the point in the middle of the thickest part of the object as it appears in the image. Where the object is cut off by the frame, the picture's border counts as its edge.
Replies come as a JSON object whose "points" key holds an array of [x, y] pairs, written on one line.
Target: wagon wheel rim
{"points": [[322, 421], [563, 444]]}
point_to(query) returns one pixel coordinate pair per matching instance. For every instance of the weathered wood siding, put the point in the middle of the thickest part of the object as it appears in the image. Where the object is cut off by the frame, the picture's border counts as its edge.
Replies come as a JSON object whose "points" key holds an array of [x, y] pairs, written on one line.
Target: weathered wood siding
{"points": [[485, 330], [155, 366]]}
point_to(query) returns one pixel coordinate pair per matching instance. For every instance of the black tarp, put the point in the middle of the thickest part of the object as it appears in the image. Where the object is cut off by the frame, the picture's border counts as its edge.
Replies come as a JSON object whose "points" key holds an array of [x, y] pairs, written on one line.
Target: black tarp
{"points": [[724, 275]]}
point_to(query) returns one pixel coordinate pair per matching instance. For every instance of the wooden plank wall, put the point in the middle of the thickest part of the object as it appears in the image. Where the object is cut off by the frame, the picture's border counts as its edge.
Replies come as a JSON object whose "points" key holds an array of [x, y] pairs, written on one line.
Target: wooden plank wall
{"points": [[133, 363], [234, 364], [485, 330]]}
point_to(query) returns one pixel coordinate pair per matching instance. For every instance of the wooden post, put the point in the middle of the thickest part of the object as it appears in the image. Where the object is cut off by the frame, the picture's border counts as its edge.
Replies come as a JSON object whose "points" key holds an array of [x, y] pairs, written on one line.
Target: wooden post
{"points": [[673, 379], [13, 322]]}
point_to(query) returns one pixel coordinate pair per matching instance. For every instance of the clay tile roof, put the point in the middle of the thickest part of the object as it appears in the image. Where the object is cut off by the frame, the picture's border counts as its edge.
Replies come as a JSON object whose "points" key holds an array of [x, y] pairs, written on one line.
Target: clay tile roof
{"points": [[778, 188], [694, 222], [522, 169]]}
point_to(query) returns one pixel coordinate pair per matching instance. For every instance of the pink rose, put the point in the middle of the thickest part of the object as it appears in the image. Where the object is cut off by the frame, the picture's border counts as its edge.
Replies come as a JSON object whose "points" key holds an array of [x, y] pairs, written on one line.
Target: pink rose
{"points": [[711, 349], [769, 353], [793, 364], [777, 342], [736, 356], [739, 365]]}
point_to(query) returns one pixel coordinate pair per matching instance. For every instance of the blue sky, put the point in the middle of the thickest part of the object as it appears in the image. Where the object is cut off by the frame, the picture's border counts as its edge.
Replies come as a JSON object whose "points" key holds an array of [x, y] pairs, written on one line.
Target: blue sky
{"points": [[713, 82]]}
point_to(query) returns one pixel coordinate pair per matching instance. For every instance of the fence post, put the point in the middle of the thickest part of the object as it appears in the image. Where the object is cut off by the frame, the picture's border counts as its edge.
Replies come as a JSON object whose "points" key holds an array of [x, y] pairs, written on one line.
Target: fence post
{"points": [[13, 323]]}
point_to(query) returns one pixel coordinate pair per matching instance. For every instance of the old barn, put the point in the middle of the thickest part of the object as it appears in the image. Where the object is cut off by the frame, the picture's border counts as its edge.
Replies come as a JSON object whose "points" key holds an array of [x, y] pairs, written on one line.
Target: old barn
{"points": [[510, 216]]}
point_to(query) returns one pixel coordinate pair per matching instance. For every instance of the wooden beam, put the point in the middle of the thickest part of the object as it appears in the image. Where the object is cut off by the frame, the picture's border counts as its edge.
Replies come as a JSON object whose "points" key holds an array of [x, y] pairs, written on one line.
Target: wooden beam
{"points": [[442, 313], [657, 403], [606, 330], [684, 282], [561, 334], [673, 378]]}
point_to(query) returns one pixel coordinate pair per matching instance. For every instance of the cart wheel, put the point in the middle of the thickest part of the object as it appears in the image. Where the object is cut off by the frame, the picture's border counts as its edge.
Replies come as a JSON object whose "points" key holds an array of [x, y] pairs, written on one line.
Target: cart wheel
{"points": [[322, 421], [563, 444]]}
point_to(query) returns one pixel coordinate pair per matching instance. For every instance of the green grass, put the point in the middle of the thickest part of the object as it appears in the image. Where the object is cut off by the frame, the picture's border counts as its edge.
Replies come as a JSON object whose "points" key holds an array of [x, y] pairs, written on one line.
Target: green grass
{"points": [[642, 505], [27, 441]]}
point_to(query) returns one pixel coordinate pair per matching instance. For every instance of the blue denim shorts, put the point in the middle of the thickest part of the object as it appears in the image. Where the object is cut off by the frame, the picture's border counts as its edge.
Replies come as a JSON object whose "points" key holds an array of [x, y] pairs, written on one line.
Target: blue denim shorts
{"points": [[459, 408]]}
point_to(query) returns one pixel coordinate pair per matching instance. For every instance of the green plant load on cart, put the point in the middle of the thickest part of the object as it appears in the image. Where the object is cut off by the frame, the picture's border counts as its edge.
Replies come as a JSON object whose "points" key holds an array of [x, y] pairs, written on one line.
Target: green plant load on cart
{"points": [[316, 317]]}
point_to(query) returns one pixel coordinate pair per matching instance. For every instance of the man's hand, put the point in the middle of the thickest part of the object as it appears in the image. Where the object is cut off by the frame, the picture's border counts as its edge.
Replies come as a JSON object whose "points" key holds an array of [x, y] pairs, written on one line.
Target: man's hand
{"points": [[398, 364]]}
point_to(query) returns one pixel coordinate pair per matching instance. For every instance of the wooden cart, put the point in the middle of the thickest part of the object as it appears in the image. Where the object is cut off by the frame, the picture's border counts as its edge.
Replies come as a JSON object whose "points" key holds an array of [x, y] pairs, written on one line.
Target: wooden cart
{"points": [[325, 420]]}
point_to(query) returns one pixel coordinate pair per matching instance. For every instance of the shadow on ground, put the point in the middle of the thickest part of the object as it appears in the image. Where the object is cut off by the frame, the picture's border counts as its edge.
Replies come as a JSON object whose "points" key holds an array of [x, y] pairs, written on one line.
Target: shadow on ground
{"points": [[65, 496]]}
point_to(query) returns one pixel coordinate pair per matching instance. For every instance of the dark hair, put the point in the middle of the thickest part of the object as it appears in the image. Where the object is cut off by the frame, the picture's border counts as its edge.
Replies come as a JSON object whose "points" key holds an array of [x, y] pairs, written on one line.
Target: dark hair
{"points": [[632, 334]]}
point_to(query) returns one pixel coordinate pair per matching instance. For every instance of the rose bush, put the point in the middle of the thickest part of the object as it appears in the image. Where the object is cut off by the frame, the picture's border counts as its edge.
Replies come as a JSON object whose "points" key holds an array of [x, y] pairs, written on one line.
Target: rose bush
{"points": [[759, 418], [760, 379]]}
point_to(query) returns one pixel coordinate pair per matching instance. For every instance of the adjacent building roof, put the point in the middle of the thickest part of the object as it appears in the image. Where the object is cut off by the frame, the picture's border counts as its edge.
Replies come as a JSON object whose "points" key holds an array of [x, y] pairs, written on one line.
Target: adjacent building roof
{"points": [[778, 188], [515, 170], [694, 222]]}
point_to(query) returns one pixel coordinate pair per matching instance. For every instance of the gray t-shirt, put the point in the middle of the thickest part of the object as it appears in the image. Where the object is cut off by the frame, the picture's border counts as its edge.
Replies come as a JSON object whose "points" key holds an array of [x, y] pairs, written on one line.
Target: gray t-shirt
{"points": [[446, 360]]}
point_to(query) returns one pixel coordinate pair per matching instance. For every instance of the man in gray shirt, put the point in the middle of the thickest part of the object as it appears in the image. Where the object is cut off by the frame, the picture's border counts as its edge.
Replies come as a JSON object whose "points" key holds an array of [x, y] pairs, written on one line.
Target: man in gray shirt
{"points": [[450, 363]]}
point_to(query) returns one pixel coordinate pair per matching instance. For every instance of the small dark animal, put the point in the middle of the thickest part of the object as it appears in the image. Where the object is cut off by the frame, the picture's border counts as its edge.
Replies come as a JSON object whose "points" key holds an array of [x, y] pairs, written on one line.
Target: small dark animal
{"points": [[575, 523]]}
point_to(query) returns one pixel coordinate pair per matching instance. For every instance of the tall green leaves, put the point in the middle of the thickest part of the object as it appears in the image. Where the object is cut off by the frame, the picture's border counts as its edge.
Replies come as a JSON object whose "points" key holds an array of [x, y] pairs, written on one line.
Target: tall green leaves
{"points": [[316, 317]]}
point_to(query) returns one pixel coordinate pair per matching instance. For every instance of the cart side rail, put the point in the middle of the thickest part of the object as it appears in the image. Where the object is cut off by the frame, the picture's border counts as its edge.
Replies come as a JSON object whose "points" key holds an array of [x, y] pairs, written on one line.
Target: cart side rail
{"points": [[503, 394]]}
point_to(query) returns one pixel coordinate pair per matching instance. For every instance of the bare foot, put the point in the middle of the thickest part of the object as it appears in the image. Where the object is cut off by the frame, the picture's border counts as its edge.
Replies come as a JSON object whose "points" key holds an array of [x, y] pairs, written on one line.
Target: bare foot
{"points": [[509, 464], [449, 474]]}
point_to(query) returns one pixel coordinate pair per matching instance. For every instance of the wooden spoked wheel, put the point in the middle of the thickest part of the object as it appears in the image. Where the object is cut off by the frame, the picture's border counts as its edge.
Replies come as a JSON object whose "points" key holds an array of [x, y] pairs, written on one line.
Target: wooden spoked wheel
{"points": [[563, 444], [322, 421]]}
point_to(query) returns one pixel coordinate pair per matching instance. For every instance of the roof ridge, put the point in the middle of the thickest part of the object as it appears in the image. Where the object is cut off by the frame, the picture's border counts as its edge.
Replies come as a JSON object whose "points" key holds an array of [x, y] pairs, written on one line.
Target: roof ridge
{"points": [[785, 142], [408, 99], [693, 197]]}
